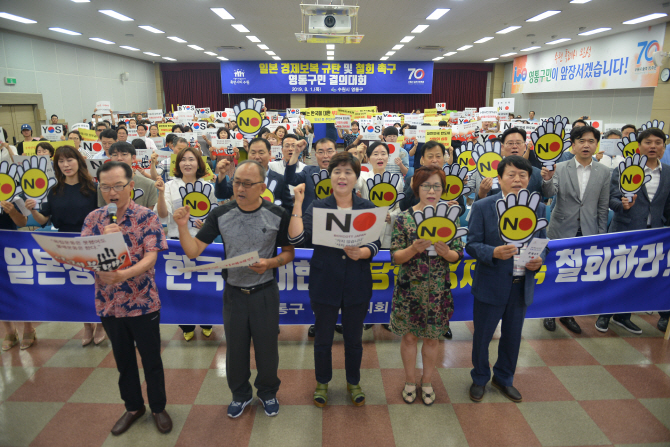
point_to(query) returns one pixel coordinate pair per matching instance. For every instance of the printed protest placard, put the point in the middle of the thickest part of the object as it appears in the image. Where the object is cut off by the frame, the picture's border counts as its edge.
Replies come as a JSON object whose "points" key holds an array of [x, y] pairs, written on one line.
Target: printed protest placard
{"points": [[222, 147], [155, 114], [238, 261], [352, 228], [343, 122], [504, 104], [52, 132], [103, 253]]}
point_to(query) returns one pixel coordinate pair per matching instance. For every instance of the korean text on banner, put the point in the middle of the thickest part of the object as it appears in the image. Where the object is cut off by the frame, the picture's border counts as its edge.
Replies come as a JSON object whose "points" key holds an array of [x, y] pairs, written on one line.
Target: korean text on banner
{"points": [[295, 77], [87, 134], [103, 108], [623, 60], [343, 121], [29, 147], [104, 253], [155, 115], [353, 228]]}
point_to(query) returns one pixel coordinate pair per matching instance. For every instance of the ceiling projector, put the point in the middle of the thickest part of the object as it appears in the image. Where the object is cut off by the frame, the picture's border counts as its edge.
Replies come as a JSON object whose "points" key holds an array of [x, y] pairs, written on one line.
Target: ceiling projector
{"points": [[330, 21]]}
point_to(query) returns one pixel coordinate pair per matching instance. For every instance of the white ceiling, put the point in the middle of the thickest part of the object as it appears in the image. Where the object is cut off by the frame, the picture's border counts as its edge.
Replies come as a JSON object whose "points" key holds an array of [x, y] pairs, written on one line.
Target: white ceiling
{"points": [[383, 22]]}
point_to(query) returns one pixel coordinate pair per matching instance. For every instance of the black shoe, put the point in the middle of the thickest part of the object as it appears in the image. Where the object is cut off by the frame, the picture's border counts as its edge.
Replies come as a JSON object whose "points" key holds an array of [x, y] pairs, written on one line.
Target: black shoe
{"points": [[387, 327], [550, 324], [627, 324], [311, 332], [662, 324], [508, 391], [603, 323], [448, 335], [367, 326], [571, 324], [338, 328], [476, 392]]}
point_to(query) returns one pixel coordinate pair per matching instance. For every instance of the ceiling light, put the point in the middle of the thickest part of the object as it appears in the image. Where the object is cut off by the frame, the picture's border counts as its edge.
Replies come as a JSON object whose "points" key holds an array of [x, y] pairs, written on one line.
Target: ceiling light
{"points": [[406, 39], [277, 58], [451, 53], [554, 42], [209, 53], [126, 47], [115, 15], [176, 39], [530, 48], [330, 58], [542, 16], [225, 15], [262, 46], [438, 58], [397, 47], [271, 53], [151, 54], [580, 1], [420, 28], [491, 59], [483, 39], [645, 18], [169, 59], [253, 39], [195, 47], [509, 29], [507, 54], [97, 39], [65, 31], [594, 31], [383, 58], [439, 12], [464, 47], [241, 28], [8, 16], [222, 58], [330, 53], [330, 46], [389, 53], [151, 29]]}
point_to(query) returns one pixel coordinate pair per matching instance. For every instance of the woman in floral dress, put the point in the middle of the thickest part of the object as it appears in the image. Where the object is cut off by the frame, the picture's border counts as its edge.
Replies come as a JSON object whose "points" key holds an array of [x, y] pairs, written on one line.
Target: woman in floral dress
{"points": [[422, 301]]}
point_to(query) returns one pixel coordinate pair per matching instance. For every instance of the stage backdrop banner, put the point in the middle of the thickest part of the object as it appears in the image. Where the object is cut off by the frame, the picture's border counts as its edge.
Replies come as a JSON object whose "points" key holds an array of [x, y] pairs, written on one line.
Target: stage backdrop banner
{"points": [[620, 61], [252, 77], [603, 274]]}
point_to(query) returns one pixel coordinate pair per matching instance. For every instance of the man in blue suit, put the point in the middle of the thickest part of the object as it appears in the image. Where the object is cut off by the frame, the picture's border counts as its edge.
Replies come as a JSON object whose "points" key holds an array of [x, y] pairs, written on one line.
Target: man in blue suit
{"points": [[649, 208], [502, 289]]}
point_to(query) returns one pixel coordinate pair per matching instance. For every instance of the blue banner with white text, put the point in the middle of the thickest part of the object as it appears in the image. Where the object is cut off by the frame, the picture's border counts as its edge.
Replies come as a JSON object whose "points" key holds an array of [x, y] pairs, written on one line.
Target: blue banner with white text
{"points": [[356, 77], [609, 273]]}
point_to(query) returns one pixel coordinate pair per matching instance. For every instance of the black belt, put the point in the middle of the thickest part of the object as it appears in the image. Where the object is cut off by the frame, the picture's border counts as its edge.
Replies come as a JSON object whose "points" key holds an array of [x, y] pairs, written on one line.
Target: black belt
{"points": [[250, 290], [518, 279]]}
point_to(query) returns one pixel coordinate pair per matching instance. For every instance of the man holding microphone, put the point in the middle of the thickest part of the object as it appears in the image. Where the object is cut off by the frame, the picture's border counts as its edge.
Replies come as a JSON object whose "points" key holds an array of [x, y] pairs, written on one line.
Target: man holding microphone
{"points": [[127, 300]]}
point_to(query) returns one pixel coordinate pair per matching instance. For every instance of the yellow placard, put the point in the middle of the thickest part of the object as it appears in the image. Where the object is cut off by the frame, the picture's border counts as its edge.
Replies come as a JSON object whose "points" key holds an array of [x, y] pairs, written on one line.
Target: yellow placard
{"points": [[164, 128], [208, 177], [441, 135], [429, 112], [87, 134], [29, 147], [327, 114]]}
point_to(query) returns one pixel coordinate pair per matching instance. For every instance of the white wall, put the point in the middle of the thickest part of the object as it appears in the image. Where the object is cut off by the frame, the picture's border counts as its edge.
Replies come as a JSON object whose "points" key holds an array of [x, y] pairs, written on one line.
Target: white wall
{"points": [[630, 106], [72, 79]]}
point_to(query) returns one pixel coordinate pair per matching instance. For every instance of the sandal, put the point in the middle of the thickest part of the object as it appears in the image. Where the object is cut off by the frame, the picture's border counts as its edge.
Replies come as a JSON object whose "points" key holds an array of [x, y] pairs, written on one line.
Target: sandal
{"points": [[428, 398], [357, 394], [28, 340], [409, 396], [10, 340], [321, 395]]}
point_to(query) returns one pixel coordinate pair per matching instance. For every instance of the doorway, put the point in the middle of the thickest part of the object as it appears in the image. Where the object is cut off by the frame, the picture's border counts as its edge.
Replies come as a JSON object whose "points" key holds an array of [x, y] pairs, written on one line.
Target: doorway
{"points": [[12, 117]]}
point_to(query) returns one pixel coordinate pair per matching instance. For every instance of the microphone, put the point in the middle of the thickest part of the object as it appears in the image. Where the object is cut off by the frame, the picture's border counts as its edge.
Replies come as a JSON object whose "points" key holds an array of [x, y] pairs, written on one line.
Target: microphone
{"points": [[111, 209]]}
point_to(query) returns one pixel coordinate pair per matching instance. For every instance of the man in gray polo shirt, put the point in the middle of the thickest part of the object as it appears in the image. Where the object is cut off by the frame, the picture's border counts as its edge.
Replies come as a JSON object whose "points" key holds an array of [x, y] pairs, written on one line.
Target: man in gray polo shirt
{"points": [[251, 295]]}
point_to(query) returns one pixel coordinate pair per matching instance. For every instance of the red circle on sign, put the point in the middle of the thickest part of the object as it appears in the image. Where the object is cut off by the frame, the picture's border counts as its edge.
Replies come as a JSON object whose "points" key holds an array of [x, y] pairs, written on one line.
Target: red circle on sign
{"points": [[254, 122], [471, 162], [224, 114], [506, 107], [97, 147], [637, 151], [444, 232], [555, 146], [389, 196], [288, 127], [595, 124], [6, 188], [40, 183], [495, 163], [455, 189], [637, 178], [202, 206], [526, 224], [364, 222], [365, 169], [391, 148], [239, 136], [266, 198]]}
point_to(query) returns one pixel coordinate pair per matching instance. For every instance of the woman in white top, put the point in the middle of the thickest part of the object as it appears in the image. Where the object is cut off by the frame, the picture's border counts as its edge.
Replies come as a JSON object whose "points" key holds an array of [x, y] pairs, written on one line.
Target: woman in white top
{"points": [[189, 168], [153, 134], [378, 157], [6, 150]]}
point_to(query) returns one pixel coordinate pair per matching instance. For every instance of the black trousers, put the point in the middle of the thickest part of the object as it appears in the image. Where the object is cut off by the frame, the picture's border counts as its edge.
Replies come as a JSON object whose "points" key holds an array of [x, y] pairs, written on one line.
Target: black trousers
{"points": [[627, 315], [143, 331], [246, 317], [352, 330], [485, 318]]}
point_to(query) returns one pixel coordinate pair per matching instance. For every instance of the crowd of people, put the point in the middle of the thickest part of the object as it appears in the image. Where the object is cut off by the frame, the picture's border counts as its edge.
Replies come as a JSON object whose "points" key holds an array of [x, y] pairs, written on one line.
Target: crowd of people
{"points": [[268, 206]]}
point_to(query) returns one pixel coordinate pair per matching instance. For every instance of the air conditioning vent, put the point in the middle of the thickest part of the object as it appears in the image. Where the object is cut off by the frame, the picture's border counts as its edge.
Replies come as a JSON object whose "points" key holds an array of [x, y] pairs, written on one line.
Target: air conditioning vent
{"points": [[229, 48], [431, 48]]}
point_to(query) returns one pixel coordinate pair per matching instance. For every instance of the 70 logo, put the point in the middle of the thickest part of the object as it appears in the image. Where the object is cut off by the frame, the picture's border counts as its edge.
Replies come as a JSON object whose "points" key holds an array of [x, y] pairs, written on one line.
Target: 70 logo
{"points": [[647, 48], [417, 73]]}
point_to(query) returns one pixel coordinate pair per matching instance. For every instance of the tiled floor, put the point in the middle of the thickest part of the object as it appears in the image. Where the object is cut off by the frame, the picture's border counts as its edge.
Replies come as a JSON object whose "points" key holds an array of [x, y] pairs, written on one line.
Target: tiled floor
{"points": [[593, 389]]}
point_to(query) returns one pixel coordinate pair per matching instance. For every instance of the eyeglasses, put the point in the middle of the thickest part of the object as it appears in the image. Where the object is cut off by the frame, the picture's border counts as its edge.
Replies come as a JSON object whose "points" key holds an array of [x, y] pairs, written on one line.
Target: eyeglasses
{"points": [[117, 188], [328, 152], [246, 185], [427, 187], [514, 143]]}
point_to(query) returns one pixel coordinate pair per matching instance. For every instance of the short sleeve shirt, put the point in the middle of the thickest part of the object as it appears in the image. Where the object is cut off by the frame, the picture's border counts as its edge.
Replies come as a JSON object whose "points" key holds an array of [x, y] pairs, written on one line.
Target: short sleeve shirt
{"points": [[143, 233], [242, 232]]}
